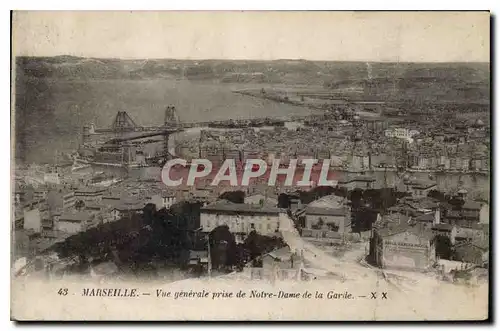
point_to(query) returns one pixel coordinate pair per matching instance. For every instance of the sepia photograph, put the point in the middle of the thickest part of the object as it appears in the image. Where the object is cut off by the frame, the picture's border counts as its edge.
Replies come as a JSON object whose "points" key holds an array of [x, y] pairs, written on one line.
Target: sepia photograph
{"points": [[250, 165]]}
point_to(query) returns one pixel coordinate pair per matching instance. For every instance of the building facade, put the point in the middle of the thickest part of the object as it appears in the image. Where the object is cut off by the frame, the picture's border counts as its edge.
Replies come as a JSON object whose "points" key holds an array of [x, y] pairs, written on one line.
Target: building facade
{"points": [[401, 133], [69, 200], [90, 194], [419, 188], [337, 219], [240, 218], [72, 222], [361, 182], [403, 247]]}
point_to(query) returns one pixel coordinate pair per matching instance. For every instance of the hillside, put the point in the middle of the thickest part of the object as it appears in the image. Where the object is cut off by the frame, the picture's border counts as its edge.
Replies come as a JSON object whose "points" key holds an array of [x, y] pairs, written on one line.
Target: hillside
{"points": [[76, 67], [434, 82]]}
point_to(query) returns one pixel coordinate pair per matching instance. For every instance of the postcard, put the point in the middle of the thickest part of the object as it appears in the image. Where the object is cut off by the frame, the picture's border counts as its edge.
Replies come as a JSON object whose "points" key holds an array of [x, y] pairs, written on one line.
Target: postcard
{"points": [[250, 166]]}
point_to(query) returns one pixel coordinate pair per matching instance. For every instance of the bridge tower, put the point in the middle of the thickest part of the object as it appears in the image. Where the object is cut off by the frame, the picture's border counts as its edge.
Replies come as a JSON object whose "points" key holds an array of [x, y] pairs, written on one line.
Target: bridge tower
{"points": [[87, 132], [171, 120], [123, 122], [171, 117]]}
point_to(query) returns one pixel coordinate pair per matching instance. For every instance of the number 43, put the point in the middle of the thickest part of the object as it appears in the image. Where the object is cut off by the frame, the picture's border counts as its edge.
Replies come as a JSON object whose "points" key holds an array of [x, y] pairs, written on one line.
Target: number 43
{"points": [[63, 291]]}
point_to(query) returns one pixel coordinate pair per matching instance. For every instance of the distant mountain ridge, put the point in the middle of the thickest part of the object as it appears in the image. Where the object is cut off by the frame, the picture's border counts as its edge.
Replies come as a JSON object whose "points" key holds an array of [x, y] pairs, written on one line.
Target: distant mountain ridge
{"points": [[430, 81], [94, 68]]}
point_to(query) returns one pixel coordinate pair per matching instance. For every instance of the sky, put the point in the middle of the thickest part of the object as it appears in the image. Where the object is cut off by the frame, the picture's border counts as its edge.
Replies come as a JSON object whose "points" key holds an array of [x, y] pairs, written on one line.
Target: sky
{"points": [[322, 36]]}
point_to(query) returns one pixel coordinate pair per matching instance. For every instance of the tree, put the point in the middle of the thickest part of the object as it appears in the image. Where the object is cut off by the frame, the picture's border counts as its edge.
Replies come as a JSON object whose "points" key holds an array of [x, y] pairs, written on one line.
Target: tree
{"points": [[187, 214], [133, 243], [283, 201], [222, 247], [380, 199], [257, 244], [443, 247], [149, 212], [356, 197], [362, 219]]}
